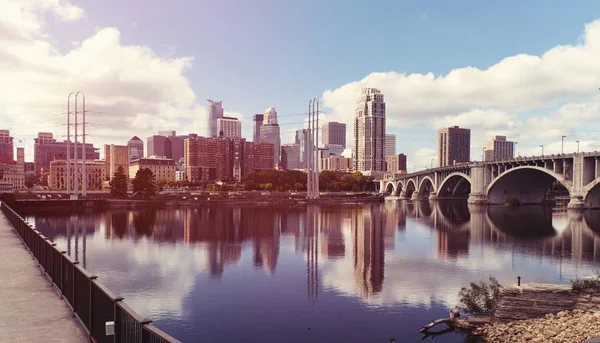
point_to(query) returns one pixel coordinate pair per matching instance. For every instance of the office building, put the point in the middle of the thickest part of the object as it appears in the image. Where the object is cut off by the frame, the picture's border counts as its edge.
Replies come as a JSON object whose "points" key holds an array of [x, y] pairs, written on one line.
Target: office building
{"points": [[396, 163], [7, 147], [302, 140], [369, 132], [334, 133], [135, 148], [454, 146], [290, 156], [155, 145], [257, 123], [12, 173], [165, 146], [45, 147], [116, 156], [336, 163], [270, 133], [258, 156], [390, 144], [162, 168], [498, 149], [334, 149], [229, 127], [57, 178], [214, 111]]}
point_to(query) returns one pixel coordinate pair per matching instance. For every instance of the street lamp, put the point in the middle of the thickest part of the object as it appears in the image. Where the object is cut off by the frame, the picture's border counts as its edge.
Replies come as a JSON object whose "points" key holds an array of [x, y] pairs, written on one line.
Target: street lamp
{"points": [[577, 146], [562, 145], [541, 146]]}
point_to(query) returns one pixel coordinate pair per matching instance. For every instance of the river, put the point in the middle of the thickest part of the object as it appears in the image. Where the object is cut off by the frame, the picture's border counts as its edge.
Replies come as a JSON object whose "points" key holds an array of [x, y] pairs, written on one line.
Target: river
{"points": [[344, 273]]}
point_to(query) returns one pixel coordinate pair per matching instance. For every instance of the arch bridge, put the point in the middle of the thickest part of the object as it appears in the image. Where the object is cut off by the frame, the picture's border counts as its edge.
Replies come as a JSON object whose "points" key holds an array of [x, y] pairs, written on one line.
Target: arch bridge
{"points": [[526, 180]]}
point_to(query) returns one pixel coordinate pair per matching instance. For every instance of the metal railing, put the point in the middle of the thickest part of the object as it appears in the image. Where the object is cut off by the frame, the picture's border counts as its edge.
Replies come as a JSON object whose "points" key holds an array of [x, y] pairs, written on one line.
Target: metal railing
{"points": [[91, 302]]}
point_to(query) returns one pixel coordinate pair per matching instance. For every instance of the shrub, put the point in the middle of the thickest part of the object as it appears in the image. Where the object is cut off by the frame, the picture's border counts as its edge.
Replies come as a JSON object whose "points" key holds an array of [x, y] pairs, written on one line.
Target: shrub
{"points": [[480, 298], [586, 284]]}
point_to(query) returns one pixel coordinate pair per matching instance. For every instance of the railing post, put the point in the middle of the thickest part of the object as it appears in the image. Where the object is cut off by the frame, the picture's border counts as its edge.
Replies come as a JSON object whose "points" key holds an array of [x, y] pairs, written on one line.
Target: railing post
{"points": [[91, 312], [62, 274], [53, 276], [117, 318], [74, 287], [143, 323]]}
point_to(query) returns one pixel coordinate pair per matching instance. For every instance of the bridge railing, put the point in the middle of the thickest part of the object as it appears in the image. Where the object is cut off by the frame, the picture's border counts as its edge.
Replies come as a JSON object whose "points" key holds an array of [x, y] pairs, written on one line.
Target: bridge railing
{"points": [[91, 302]]}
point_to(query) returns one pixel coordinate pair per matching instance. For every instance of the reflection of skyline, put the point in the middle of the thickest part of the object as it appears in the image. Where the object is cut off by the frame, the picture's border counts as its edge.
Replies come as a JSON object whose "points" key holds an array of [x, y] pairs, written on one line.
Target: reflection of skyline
{"points": [[357, 246]]}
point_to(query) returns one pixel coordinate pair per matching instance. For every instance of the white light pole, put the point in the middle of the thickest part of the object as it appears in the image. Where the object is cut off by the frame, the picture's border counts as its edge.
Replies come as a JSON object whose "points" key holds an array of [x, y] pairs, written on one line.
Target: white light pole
{"points": [[562, 144], [69, 143], [541, 146], [577, 146], [83, 149], [309, 153]]}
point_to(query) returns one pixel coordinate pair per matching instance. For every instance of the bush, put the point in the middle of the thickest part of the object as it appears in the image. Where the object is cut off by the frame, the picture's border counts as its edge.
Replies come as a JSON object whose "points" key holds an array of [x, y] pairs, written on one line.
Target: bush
{"points": [[586, 284], [480, 298]]}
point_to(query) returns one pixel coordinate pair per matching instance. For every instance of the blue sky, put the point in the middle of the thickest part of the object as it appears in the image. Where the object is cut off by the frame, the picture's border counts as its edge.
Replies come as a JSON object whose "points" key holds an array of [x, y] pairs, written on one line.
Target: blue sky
{"points": [[263, 53]]}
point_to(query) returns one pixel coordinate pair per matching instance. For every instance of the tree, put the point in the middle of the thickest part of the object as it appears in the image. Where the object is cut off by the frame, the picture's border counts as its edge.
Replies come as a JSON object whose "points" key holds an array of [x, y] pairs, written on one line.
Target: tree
{"points": [[31, 180], [144, 183], [118, 184]]}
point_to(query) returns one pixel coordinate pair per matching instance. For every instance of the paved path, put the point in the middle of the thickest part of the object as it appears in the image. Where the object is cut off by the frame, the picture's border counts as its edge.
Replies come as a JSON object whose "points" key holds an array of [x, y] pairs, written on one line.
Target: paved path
{"points": [[30, 309]]}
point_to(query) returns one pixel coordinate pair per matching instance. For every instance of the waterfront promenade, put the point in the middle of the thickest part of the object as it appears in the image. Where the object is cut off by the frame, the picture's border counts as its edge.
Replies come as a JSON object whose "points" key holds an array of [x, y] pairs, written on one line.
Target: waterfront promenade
{"points": [[30, 309]]}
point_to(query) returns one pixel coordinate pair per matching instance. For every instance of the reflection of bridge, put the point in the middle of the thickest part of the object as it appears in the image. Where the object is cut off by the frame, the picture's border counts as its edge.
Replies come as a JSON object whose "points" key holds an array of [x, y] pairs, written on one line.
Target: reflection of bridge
{"points": [[524, 179]]}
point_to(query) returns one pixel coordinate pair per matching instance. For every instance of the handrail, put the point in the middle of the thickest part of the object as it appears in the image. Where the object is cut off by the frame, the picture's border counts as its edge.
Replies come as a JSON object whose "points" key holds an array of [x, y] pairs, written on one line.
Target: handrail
{"points": [[91, 302]]}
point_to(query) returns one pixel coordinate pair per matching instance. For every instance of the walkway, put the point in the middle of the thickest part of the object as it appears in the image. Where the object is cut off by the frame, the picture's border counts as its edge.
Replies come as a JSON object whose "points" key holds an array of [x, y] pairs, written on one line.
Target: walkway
{"points": [[30, 309]]}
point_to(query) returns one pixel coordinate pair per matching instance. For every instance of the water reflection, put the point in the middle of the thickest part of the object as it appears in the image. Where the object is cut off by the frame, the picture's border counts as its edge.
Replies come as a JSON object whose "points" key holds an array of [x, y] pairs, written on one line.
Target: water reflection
{"points": [[397, 256]]}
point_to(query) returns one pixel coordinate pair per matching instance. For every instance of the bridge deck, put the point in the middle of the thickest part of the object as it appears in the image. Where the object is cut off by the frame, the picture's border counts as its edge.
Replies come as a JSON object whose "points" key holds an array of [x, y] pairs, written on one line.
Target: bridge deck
{"points": [[30, 310]]}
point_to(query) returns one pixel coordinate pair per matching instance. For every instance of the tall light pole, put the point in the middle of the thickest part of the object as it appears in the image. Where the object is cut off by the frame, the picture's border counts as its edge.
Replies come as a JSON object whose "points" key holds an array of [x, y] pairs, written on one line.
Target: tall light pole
{"points": [[312, 175], [69, 143], [309, 153], [577, 146], [317, 157], [541, 146], [562, 144], [83, 149]]}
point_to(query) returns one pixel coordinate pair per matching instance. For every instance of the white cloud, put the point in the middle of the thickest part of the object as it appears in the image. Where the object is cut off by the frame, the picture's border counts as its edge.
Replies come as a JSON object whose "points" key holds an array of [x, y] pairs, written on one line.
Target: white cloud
{"points": [[130, 90], [532, 99]]}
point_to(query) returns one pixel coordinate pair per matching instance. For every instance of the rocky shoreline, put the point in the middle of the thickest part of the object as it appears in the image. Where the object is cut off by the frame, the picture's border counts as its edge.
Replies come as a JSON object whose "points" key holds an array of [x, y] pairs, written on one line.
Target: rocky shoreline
{"points": [[564, 327]]}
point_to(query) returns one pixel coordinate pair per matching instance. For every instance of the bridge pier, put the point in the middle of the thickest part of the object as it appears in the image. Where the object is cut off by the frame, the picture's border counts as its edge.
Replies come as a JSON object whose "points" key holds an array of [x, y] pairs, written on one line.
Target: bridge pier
{"points": [[415, 196], [433, 196], [576, 203], [403, 196]]}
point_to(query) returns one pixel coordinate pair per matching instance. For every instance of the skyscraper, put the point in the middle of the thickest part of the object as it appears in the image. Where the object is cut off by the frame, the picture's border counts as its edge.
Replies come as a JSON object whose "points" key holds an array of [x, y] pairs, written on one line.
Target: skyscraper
{"points": [[214, 111], [334, 133], [135, 148], [229, 127], [454, 146], [156, 145], [390, 144], [290, 156], [258, 121], [269, 133], [6, 144], [302, 141], [369, 132], [498, 148]]}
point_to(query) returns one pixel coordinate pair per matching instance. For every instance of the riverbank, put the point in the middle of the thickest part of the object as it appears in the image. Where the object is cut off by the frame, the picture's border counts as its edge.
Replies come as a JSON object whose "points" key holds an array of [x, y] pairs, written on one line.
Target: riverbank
{"points": [[191, 200]]}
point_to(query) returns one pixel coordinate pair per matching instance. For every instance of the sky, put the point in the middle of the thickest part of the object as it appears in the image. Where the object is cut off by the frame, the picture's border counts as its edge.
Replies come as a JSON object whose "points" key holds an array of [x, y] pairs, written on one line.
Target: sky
{"points": [[528, 70]]}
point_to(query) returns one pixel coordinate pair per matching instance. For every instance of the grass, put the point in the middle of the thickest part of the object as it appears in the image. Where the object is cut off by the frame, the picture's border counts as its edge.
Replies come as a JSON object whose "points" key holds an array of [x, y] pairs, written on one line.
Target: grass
{"points": [[591, 283]]}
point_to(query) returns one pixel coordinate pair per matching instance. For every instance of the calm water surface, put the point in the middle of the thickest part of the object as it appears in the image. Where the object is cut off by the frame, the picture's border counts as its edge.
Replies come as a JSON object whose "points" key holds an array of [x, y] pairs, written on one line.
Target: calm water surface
{"points": [[362, 273]]}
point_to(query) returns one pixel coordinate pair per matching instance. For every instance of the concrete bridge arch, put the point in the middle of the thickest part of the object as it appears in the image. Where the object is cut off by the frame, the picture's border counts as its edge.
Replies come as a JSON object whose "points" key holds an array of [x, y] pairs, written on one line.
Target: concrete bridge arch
{"points": [[529, 184], [454, 185]]}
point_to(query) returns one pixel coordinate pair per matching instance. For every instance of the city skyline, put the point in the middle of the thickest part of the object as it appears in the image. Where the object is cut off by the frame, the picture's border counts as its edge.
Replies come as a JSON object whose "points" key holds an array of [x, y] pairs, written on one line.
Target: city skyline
{"points": [[68, 41]]}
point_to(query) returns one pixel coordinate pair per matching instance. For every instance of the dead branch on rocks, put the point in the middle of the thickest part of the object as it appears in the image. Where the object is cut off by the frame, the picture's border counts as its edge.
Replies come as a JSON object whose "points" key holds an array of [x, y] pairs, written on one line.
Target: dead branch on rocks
{"points": [[450, 321]]}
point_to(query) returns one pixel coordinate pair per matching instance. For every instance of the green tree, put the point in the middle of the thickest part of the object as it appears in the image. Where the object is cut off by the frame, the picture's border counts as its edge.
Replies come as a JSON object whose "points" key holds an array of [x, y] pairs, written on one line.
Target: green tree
{"points": [[118, 184], [144, 183]]}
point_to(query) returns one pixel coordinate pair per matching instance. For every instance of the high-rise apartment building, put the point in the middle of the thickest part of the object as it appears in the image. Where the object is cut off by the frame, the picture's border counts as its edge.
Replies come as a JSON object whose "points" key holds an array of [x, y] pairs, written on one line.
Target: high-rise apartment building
{"points": [[290, 156], [224, 158], [454, 146], [135, 148], [270, 133], [214, 111], [258, 121], [498, 149], [7, 147], [116, 156], [334, 133], [390, 144], [369, 132], [45, 147], [229, 127], [155, 145], [396, 163]]}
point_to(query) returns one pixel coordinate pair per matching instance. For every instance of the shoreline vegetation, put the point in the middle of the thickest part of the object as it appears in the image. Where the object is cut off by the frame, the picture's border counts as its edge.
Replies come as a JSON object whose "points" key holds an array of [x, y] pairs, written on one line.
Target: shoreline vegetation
{"points": [[527, 313]]}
